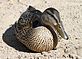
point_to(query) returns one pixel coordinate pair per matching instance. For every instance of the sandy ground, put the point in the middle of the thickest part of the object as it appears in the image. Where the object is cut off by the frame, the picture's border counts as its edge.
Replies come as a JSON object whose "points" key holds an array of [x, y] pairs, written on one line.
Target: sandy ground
{"points": [[71, 16]]}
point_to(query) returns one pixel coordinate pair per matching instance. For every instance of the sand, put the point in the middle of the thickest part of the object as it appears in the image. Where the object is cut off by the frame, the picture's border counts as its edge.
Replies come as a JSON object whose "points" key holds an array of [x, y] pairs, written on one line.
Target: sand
{"points": [[71, 16]]}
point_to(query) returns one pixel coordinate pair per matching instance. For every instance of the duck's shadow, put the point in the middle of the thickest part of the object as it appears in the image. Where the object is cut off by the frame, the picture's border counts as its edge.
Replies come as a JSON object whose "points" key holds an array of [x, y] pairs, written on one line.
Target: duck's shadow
{"points": [[10, 39]]}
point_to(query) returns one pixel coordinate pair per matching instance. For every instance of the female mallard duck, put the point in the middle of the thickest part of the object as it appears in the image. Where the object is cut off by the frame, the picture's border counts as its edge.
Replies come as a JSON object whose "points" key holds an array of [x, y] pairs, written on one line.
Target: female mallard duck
{"points": [[38, 31]]}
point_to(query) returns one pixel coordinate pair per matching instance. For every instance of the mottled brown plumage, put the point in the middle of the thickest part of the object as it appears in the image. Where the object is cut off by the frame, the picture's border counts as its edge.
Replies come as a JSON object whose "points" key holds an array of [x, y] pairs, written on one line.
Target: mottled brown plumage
{"points": [[38, 31]]}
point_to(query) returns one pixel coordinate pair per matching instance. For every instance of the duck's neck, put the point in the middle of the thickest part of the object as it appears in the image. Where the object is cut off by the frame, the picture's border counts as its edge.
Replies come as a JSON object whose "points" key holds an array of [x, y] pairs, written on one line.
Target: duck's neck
{"points": [[55, 37]]}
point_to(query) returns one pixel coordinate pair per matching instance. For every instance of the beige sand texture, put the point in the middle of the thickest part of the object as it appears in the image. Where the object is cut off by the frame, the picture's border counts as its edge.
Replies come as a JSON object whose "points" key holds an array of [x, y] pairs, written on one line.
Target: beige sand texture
{"points": [[71, 16]]}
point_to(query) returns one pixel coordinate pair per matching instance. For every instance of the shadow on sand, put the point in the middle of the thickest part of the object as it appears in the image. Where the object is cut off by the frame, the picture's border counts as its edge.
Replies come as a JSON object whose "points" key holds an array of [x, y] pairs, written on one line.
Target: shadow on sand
{"points": [[10, 39]]}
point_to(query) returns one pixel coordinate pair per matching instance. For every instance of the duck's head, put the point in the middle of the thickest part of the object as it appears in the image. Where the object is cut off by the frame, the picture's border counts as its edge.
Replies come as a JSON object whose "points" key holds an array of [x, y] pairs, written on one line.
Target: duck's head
{"points": [[51, 18]]}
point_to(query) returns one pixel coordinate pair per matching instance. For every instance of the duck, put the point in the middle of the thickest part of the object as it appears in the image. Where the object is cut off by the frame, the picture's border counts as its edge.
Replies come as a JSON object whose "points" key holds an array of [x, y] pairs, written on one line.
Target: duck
{"points": [[39, 31]]}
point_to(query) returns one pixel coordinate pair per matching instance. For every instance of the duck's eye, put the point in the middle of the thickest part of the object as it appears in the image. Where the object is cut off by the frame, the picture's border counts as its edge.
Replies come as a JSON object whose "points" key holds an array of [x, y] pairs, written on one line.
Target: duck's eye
{"points": [[35, 23]]}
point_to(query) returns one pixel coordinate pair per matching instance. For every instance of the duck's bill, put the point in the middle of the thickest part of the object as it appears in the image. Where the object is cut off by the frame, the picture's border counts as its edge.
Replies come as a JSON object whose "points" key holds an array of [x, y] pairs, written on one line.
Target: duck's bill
{"points": [[61, 31]]}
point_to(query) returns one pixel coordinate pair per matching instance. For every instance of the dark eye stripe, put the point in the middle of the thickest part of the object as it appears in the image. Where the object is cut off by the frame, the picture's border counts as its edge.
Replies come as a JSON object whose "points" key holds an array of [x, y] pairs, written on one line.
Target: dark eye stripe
{"points": [[52, 16]]}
